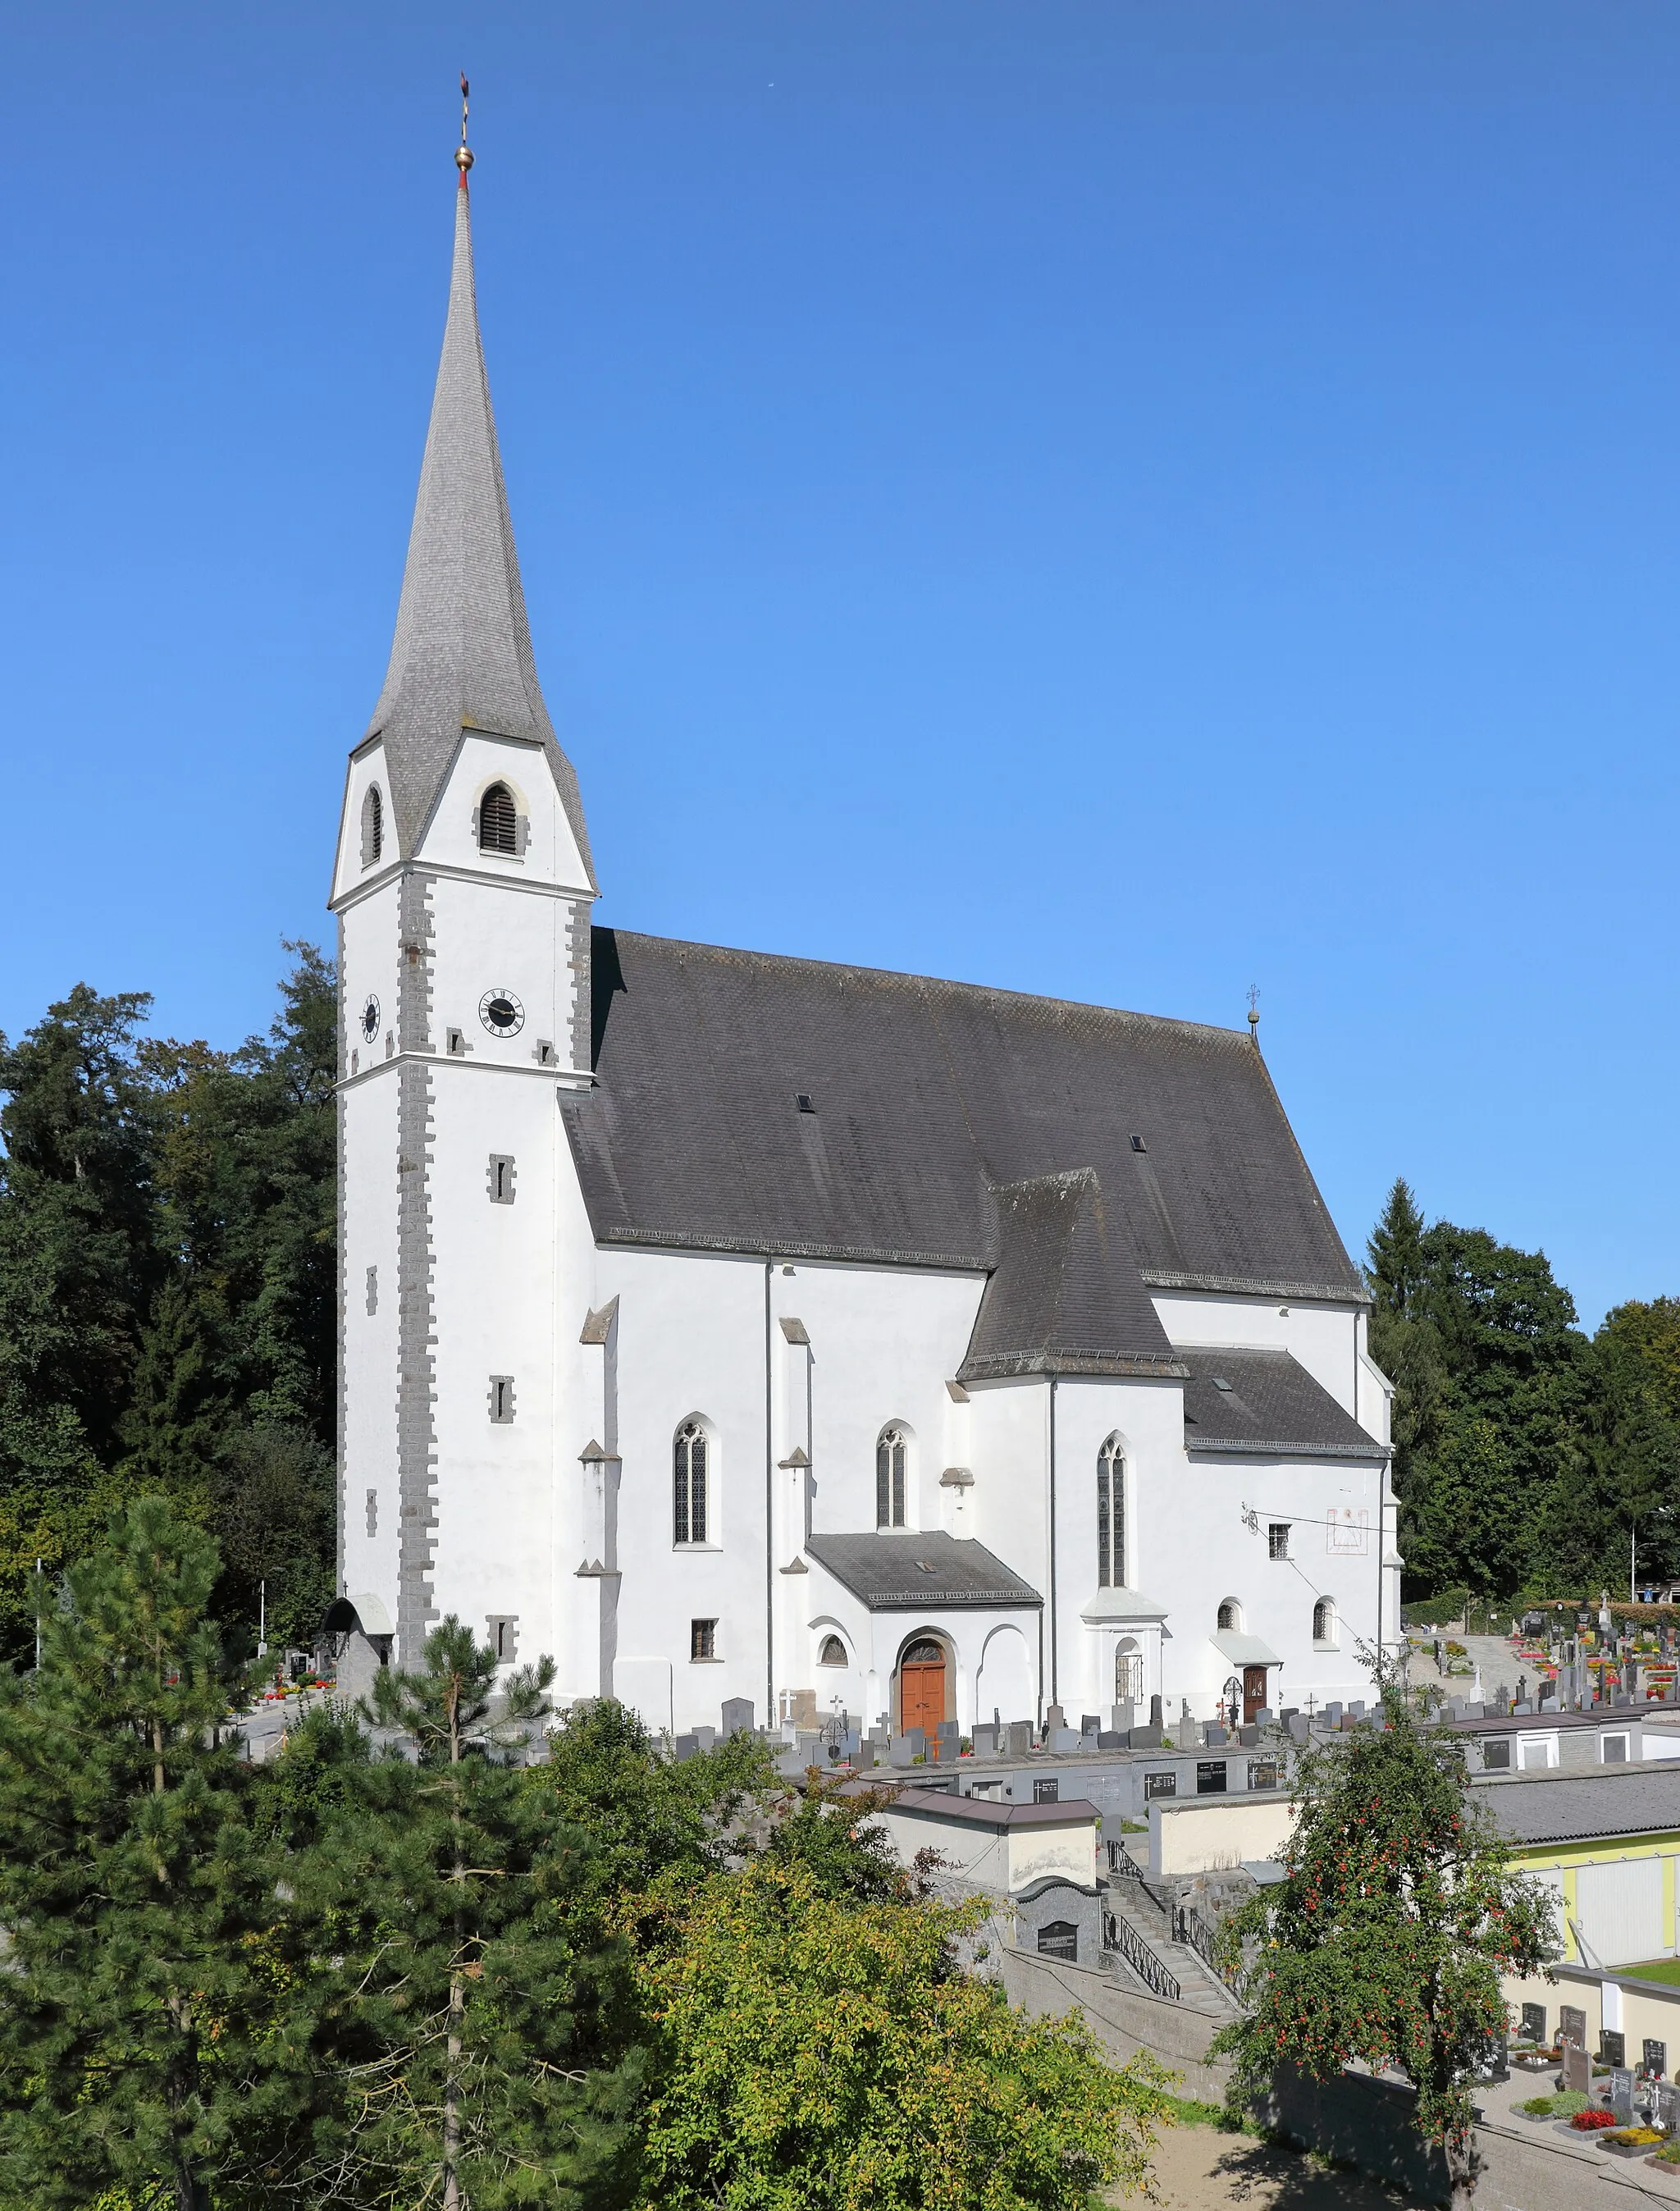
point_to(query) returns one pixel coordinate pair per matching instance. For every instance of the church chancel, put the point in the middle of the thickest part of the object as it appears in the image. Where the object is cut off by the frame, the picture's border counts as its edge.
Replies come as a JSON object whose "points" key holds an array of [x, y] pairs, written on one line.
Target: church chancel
{"points": [[739, 1328]]}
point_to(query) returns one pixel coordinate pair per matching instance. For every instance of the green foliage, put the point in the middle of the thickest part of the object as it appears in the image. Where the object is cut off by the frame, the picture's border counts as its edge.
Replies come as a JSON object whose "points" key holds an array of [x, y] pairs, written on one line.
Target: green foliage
{"points": [[484, 2035], [818, 2055], [166, 1292], [147, 2043], [1525, 1452], [1387, 1940]]}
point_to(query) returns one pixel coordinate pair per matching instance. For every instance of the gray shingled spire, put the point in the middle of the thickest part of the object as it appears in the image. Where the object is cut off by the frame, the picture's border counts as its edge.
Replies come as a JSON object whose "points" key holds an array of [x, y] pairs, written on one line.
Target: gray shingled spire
{"points": [[461, 655]]}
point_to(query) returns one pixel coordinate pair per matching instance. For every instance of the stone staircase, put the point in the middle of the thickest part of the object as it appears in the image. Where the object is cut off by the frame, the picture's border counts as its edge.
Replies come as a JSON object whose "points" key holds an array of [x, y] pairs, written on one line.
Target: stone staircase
{"points": [[1141, 1950]]}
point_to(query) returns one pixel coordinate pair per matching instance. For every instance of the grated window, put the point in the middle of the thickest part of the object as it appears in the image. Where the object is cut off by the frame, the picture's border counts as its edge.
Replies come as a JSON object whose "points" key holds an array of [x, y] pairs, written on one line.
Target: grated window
{"points": [[498, 820]]}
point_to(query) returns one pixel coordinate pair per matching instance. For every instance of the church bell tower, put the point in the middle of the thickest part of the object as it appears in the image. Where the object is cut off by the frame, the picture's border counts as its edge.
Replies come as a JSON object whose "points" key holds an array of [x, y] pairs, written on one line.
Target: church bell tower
{"points": [[462, 886]]}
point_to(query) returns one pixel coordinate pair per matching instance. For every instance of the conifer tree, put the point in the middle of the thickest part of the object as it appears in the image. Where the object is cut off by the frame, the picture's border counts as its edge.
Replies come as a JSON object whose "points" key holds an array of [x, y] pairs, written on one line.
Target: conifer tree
{"points": [[146, 2041], [486, 2039]]}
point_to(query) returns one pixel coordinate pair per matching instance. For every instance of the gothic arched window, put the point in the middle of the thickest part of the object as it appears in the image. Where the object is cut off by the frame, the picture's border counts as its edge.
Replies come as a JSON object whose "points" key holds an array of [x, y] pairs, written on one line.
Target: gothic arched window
{"points": [[1324, 1621], [373, 826], [1230, 1616], [498, 820], [1110, 1516], [1128, 1673], [833, 1652], [688, 1485], [892, 1453]]}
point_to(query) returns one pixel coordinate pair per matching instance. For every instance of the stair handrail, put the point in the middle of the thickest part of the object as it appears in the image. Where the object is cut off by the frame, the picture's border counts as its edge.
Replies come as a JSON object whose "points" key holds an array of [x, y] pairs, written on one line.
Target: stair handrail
{"points": [[1204, 1941], [1119, 1935]]}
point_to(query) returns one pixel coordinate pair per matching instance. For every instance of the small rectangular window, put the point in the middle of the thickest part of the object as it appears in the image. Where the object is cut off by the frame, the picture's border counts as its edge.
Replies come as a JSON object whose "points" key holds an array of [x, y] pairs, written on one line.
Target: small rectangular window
{"points": [[1212, 1778], [501, 1177], [501, 1398], [454, 1043], [1276, 1539], [1615, 1750], [372, 1511], [504, 1628], [372, 1291], [545, 1052], [1047, 1790], [1161, 1784], [1496, 1754], [702, 1639], [1262, 1774]]}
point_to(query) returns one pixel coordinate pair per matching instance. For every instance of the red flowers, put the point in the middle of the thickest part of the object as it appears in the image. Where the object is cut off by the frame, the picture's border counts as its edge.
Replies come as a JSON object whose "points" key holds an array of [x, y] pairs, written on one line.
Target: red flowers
{"points": [[1591, 2122]]}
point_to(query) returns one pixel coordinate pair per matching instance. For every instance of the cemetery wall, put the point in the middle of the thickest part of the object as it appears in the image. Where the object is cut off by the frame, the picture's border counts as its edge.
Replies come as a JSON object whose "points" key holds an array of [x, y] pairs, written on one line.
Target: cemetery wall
{"points": [[1124, 2021], [1211, 1834]]}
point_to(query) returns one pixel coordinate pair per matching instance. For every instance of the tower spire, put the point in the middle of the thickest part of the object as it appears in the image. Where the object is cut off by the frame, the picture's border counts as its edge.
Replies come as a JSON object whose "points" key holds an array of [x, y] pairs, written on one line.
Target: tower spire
{"points": [[461, 657]]}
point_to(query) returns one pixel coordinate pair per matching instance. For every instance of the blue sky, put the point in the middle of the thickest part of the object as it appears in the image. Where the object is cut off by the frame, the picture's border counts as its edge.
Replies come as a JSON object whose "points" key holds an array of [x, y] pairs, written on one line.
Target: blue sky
{"points": [[1121, 501]]}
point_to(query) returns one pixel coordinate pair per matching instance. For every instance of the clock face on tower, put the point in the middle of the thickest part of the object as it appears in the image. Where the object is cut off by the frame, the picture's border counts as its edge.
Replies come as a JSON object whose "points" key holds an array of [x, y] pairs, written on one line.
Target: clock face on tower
{"points": [[371, 1017], [501, 1012]]}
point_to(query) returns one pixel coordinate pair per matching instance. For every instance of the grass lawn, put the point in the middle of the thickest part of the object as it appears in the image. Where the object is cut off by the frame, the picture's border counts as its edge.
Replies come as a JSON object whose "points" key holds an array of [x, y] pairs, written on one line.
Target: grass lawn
{"points": [[1659, 1969]]}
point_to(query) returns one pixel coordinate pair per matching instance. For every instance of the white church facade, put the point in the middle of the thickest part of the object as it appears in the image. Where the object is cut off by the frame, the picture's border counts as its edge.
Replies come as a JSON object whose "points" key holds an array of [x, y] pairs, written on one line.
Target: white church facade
{"points": [[737, 1327]]}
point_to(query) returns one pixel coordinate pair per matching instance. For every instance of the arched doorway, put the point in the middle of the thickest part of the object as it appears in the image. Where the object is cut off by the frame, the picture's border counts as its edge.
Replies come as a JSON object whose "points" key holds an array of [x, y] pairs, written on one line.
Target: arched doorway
{"points": [[921, 1685]]}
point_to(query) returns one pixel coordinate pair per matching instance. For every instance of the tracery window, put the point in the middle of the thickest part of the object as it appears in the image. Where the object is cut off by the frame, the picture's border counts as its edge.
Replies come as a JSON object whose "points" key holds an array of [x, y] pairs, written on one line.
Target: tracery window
{"points": [[498, 820], [689, 1501], [1110, 1516], [892, 1456], [832, 1653]]}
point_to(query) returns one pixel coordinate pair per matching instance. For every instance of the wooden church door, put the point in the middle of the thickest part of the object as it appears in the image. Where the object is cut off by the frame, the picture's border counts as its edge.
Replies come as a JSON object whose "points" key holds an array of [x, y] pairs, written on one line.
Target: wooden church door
{"points": [[921, 1685], [1254, 1693]]}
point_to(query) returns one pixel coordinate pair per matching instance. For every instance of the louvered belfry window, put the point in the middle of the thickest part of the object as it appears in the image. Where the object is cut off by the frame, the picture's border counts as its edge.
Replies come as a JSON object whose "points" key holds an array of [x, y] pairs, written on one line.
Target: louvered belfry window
{"points": [[373, 826], [688, 1505], [891, 1453], [498, 820], [1110, 1516]]}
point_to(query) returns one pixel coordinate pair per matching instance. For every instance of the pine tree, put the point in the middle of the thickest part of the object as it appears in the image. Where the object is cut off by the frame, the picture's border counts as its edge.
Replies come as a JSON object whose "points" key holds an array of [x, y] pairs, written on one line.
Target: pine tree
{"points": [[1395, 1251], [149, 2042], [485, 2033]]}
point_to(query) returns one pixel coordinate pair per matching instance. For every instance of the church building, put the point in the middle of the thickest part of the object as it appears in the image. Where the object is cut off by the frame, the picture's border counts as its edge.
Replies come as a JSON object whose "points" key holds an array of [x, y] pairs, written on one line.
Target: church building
{"points": [[737, 1327]]}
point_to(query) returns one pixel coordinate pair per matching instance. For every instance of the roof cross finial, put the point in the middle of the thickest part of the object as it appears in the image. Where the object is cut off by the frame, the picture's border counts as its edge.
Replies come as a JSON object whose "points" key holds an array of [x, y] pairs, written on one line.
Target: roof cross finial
{"points": [[1253, 988], [463, 152]]}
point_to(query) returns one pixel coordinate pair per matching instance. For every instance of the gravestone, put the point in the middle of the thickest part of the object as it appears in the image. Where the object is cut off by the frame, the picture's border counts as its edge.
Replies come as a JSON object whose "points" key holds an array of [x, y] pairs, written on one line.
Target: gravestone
{"points": [[1249, 1737], [1621, 2094], [1184, 1732], [1054, 1718], [1653, 2058], [1572, 2025], [1668, 2106], [1358, 1708], [1122, 1716], [808, 1744], [940, 1750], [1157, 1718], [948, 1732], [985, 1742], [1266, 1716], [1114, 1738], [737, 1716], [1020, 1738], [1577, 2070], [1612, 2048], [1090, 1723], [1063, 1740], [684, 1746], [1215, 1735], [704, 1737], [1534, 2022], [903, 1751]]}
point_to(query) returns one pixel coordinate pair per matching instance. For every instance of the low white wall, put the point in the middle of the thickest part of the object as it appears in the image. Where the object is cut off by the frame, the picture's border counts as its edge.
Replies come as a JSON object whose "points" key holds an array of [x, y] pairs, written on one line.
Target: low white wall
{"points": [[1210, 1834]]}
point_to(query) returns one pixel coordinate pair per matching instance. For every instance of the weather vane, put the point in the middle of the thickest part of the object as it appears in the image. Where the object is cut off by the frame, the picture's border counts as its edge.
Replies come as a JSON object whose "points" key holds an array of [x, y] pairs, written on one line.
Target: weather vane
{"points": [[463, 158]]}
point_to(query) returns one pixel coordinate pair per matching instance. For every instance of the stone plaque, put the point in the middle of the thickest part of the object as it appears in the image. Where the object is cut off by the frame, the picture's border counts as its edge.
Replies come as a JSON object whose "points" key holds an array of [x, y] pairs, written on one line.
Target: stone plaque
{"points": [[1621, 2094]]}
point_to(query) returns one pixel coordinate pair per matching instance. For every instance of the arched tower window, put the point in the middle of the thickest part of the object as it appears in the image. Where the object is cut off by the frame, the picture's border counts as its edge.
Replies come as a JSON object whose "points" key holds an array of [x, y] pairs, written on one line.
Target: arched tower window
{"points": [[891, 1455], [1110, 1516], [373, 826], [832, 1653], [688, 1486], [1324, 1621], [498, 820], [1230, 1616]]}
